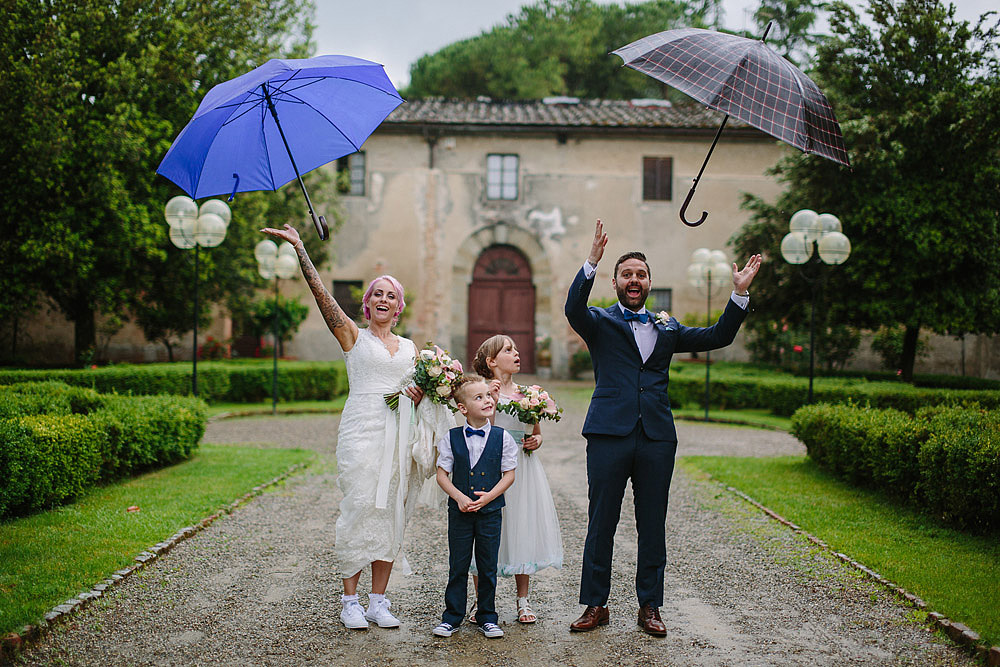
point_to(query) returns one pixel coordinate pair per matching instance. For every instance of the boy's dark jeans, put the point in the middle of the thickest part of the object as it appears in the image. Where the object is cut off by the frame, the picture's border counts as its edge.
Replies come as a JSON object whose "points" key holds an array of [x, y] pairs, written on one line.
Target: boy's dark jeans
{"points": [[470, 532]]}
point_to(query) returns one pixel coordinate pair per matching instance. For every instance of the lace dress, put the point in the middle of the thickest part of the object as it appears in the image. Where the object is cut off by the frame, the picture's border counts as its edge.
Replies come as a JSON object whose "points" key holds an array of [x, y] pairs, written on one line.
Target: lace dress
{"points": [[529, 537], [370, 460]]}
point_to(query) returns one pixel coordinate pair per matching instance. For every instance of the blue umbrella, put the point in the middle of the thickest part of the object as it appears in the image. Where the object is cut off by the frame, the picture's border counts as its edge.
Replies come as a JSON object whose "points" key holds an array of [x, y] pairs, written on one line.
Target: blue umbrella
{"points": [[264, 128]]}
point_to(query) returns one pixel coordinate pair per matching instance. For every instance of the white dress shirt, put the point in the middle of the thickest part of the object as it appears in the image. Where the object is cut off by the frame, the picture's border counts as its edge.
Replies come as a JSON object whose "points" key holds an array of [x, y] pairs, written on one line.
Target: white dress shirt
{"points": [[476, 445], [645, 334]]}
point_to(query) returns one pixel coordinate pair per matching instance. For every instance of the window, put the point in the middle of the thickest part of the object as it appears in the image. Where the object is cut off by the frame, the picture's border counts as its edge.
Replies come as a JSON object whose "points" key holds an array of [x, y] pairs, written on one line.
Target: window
{"points": [[348, 294], [657, 178], [351, 174], [501, 176], [660, 299]]}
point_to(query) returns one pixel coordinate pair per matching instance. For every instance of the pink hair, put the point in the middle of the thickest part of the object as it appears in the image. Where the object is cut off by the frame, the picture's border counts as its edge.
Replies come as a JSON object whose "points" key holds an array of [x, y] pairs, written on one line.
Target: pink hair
{"points": [[399, 295]]}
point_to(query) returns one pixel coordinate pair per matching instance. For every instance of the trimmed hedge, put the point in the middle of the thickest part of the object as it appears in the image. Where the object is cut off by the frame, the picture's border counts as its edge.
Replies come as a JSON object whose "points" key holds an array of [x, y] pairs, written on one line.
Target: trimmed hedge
{"points": [[945, 459], [238, 382], [784, 395], [56, 441]]}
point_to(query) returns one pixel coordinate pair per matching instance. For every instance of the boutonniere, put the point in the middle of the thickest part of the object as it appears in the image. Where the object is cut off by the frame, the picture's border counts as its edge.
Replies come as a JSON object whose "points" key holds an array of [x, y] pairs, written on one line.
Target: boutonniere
{"points": [[663, 317]]}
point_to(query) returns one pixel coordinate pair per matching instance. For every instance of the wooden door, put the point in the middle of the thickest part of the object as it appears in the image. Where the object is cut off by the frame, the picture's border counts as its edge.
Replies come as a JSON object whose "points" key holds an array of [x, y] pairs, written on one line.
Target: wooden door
{"points": [[502, 300]]}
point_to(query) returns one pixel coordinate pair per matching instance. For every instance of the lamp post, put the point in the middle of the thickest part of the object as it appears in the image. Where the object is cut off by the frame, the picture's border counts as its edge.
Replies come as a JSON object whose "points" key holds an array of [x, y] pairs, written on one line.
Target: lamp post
{"points": [[821, 233], [707, 273], [194, 227], [275, 262]]}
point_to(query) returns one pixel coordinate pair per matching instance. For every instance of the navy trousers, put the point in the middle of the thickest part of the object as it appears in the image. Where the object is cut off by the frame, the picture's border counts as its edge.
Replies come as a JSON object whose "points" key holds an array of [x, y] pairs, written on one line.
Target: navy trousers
{"points": [[611, 462], [472, 533]]}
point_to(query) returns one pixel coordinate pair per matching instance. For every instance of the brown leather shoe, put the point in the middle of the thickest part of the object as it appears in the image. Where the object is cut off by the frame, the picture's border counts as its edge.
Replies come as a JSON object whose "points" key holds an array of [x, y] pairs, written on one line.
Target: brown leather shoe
{"points": [[592, 617], [649, 621]]}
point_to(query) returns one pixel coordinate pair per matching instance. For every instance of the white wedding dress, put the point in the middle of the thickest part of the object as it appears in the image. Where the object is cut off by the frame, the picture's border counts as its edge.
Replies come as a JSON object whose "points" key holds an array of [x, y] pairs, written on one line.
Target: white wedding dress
{"points": [[378, 475]]}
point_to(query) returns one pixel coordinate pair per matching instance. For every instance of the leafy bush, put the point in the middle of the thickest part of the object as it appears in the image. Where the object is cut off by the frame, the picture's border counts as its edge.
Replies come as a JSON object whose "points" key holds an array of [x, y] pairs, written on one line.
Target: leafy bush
{"points": [[217, 381], [888, 344], [946, 459], [56, 441]]}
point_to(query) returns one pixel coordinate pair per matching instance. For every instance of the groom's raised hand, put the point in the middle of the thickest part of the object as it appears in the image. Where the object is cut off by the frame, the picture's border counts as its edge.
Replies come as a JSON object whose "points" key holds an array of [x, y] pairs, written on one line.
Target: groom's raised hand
{"points": [[742, 279], [600, 241]]}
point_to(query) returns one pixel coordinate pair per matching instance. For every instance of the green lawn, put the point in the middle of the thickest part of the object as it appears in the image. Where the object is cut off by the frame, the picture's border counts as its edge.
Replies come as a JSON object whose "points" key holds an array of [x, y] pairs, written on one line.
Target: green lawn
{"points": [[52, 556], [957, 574]]}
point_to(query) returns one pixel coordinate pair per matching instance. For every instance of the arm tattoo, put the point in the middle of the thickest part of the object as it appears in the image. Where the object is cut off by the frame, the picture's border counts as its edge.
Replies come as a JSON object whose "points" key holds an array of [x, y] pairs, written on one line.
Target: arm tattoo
{"points": [[332, 313]]}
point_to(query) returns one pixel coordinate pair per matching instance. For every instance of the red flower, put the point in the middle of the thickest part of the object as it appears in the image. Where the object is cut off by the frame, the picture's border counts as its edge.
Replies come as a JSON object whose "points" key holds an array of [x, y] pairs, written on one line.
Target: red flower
{"points": [[797, 348]]}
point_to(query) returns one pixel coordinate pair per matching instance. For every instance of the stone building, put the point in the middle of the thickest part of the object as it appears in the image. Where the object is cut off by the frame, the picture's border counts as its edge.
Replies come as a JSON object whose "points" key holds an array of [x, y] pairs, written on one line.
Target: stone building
{"points": [[485, 211]]}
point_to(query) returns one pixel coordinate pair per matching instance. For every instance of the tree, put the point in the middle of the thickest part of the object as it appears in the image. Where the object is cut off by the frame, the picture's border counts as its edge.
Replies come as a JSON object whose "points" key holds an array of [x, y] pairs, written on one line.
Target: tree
{"points": [[918, 96], [555, 47], [291, 314], [791, 21], [95, 91]]}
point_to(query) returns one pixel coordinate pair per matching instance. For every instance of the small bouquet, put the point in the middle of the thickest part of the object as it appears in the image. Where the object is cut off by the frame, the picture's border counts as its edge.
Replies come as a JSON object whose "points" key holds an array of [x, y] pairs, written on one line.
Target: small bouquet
{"points": [[531, 405], [434, 372]]}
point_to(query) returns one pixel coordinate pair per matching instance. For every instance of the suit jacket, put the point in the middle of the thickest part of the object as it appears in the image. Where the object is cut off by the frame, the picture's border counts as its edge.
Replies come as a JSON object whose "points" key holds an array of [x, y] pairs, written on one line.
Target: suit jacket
{"points": [[629, 389]]}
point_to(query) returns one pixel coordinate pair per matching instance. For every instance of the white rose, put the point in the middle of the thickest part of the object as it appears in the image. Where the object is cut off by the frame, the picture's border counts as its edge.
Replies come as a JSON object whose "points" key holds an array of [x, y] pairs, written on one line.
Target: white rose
{"points": [[426, 355], [434, 371], [443, 389]]}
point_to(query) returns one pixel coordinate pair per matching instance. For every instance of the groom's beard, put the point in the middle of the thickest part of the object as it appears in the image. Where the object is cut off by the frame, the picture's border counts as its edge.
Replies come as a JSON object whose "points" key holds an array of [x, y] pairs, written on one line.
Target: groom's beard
{"points": [[632, 303]]}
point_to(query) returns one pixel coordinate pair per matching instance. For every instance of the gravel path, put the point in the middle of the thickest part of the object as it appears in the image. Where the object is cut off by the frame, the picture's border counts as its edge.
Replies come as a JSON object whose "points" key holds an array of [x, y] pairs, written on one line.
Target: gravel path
{"points": [[259, 587]]}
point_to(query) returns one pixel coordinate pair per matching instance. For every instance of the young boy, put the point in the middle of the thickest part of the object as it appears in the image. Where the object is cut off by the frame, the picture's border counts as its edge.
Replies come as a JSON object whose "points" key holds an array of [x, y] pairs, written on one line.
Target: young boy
{"points": [[481, 459]]}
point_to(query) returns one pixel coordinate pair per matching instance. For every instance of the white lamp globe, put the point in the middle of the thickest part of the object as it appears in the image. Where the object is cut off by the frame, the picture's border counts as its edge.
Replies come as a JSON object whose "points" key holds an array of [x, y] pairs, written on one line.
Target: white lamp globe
{"points": [[211, 230], [721, 272], [178, 209], [266, 249], [796, 248], [806, 222], [288, 249], [695, 276], [186, 233], [717, 257], [834, 248], [286, 266], [701, 256], [265, 267], [180, 239], [828, 222], [218, 207]]}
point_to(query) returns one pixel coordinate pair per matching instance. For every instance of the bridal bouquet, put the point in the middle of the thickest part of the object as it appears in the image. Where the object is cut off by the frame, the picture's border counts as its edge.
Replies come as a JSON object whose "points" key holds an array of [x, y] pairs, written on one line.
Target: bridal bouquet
{"points": [[531, 405], [434, 372]]}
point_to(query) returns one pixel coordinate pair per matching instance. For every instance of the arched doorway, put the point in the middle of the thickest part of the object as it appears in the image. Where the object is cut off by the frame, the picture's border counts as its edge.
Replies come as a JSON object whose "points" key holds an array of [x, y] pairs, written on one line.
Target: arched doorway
{"points": [[502, 300]]}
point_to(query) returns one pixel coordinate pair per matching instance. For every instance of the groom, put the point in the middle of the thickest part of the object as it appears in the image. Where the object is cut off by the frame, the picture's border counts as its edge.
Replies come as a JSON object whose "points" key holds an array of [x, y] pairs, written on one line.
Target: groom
{"points": [[629, 426]]}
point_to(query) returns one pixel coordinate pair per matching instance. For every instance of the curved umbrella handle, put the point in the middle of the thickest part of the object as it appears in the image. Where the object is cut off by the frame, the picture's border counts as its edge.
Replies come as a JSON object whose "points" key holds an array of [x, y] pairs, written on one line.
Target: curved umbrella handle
{"points": [[687, 200]]}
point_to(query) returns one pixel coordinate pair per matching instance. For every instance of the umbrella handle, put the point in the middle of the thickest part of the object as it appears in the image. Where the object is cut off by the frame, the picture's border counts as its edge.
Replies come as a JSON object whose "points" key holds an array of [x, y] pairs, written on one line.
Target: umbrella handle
{"points": [[687, 200], [320, 222]]}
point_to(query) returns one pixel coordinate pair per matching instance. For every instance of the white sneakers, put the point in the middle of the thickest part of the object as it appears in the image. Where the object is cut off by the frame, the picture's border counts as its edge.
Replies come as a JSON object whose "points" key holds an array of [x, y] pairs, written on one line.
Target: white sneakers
{"points": [[353, 614], [491, 630], [444, 630], [378, 612]]}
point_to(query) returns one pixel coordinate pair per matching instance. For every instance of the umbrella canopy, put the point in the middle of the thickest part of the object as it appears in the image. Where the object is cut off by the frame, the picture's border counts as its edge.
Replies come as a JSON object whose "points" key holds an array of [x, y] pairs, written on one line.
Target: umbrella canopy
{"points": [[743, 78], [265, 128]]}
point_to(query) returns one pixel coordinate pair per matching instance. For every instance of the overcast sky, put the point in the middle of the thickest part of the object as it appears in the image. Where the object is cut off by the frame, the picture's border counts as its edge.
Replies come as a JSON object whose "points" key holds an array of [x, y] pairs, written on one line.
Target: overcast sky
{"points": [[397, 32]]}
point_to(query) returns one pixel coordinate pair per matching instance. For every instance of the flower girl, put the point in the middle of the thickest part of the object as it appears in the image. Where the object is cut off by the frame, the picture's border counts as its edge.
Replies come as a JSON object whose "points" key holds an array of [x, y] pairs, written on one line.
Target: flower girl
{"points": [[530, 540]]}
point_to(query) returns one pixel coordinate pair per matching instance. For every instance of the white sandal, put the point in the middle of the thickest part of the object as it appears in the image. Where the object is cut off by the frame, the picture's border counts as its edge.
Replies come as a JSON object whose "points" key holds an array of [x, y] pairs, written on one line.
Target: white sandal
{"points": [[472, 612], [524, 613]]}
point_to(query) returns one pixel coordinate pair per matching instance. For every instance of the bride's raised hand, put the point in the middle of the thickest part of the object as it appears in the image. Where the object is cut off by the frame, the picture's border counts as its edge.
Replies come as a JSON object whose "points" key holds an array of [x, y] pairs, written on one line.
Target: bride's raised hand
{"points": [[289, 233]]}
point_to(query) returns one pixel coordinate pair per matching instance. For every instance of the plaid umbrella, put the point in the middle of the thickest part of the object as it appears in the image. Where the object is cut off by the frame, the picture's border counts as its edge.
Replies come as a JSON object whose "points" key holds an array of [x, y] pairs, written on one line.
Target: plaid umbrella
{"points": [[743, 78]]}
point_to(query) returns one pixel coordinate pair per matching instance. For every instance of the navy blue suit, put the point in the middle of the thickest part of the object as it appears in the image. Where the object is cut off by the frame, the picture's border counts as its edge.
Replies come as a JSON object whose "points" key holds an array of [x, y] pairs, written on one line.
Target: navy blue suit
{"points": [[474, 532], [630, 435]]}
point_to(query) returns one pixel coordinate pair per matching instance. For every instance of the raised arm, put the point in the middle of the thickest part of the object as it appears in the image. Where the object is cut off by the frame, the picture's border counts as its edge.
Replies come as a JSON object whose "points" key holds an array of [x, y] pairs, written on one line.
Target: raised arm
{"points": [[579, 291], [342, 327]]}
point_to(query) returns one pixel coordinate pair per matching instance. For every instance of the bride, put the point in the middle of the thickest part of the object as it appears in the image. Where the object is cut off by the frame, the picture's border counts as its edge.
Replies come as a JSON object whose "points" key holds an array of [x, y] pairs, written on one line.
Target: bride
{"points": [[374, 464]]}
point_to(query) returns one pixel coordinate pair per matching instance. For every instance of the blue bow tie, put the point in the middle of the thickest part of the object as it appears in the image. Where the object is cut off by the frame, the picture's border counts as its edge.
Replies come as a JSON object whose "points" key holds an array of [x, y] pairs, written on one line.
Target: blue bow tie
{"points": [[469, 432], [642, 317]]}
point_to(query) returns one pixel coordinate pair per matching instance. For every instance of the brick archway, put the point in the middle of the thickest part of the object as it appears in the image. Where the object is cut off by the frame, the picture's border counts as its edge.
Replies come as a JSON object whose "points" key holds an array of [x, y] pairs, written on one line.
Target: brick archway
{"points": [[502, 300]]}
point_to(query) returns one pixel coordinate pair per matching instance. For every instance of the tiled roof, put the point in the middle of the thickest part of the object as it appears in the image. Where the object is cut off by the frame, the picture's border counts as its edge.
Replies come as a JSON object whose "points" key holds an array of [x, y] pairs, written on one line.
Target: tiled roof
{"points": [[554, 113]]}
